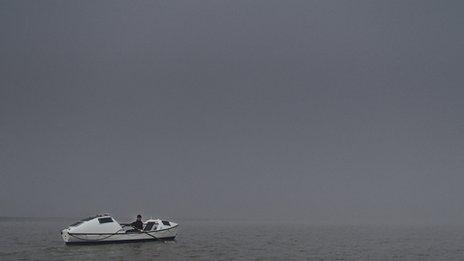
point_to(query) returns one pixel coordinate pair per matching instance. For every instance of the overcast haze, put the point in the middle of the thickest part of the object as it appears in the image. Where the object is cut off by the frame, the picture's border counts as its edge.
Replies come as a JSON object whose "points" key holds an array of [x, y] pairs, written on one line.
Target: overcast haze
{"points": [[318, 111]]}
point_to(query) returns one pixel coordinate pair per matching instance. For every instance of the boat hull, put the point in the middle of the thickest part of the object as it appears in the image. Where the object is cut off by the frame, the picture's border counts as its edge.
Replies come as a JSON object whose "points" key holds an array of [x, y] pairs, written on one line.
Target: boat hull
{"points": [[72, 243]]}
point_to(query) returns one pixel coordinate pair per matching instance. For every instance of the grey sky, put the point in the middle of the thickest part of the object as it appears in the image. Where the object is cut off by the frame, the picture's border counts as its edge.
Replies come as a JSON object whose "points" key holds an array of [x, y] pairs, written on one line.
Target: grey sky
{"points": [[322, 111]]}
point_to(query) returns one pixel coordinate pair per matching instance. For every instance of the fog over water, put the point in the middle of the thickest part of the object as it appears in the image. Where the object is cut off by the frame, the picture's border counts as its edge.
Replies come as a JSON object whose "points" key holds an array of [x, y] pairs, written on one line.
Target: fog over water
{"points": [[313, 111]]}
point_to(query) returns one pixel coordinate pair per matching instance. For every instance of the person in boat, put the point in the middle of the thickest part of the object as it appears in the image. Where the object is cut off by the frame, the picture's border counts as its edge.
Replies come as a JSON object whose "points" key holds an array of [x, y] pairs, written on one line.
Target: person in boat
{"points": [[137, 224]]}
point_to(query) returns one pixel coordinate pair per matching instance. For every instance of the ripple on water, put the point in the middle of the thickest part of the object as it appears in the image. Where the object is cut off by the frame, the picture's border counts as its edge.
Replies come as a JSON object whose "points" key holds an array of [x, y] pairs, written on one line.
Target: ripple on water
{"points": [[239, 241]]}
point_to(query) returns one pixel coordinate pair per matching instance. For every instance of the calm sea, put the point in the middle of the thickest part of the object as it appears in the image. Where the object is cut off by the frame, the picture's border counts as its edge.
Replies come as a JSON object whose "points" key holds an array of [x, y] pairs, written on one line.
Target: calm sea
{"points": [[39, 239]]}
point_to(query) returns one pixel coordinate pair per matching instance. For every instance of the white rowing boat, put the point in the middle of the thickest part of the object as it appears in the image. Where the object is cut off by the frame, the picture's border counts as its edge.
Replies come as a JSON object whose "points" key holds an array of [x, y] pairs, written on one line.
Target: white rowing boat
{"points": [[105, 229]]}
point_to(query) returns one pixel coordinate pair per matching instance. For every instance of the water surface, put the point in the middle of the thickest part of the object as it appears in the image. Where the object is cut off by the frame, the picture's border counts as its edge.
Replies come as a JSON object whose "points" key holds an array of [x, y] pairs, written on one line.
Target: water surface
{"points": [[39, 239]]}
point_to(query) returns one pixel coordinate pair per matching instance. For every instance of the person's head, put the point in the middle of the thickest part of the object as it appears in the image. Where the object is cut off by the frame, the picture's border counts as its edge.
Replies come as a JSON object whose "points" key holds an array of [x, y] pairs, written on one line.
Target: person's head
{"points": [[139, 217]]}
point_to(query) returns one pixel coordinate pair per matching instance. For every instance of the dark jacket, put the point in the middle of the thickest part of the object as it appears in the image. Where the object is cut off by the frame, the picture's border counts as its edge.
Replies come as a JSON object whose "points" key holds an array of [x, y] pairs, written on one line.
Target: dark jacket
{"points": [[137, 224]]}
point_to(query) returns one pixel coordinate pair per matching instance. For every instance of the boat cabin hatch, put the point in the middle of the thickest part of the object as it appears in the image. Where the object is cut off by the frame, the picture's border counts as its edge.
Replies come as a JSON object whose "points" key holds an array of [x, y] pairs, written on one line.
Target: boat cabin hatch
{"points": [[105, 220]]}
